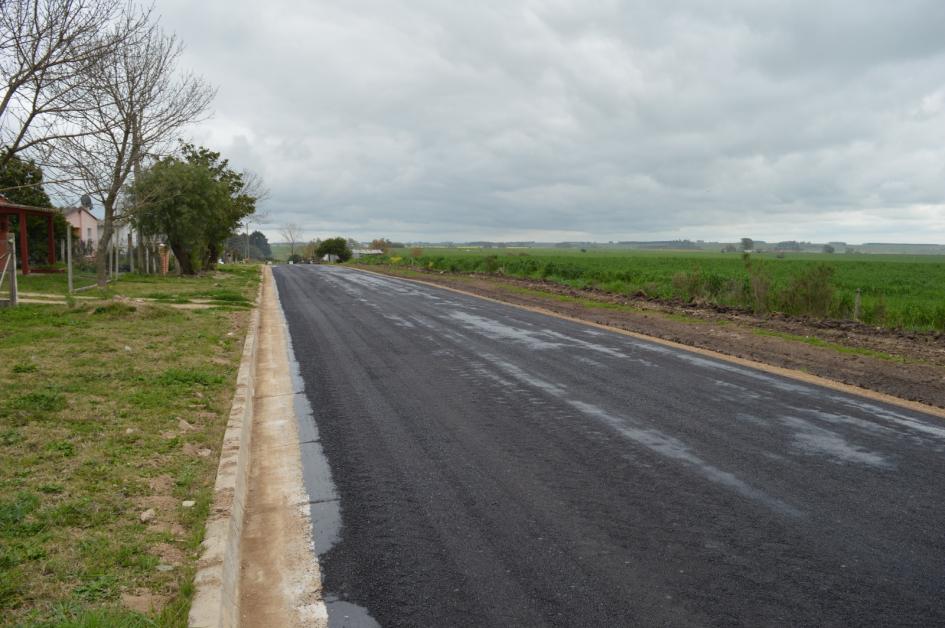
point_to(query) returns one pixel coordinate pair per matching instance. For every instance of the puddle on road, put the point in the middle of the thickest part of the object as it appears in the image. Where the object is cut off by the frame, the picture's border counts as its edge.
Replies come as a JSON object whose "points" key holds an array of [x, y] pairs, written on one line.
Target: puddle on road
{"points": [[343, 614], [324, 506]]}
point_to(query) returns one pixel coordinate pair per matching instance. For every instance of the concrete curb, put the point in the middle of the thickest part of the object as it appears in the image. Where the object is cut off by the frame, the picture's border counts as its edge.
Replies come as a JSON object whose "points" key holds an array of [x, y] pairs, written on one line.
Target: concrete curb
{"points": [[217, 582]]}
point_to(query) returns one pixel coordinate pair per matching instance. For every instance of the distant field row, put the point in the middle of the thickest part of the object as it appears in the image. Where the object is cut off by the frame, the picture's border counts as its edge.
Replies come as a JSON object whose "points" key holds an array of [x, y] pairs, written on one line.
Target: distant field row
{"points": [[899, 291]]}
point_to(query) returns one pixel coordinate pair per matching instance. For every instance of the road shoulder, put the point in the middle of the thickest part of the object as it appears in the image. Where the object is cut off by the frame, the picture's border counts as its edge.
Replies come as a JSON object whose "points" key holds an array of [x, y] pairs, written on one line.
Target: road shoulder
{"points": [[280, 578]]}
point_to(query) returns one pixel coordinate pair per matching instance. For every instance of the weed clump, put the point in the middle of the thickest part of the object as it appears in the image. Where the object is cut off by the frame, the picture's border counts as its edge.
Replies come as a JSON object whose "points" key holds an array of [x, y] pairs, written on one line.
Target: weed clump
{"points": [[811, 293], [115, 309], [758, 284], [188, 377]]}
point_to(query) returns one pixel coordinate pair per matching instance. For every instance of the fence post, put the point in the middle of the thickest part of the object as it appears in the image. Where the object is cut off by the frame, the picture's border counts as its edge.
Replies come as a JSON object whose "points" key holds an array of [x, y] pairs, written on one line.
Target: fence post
{"points": [[69, 255], [857, 304], [13, 286]]}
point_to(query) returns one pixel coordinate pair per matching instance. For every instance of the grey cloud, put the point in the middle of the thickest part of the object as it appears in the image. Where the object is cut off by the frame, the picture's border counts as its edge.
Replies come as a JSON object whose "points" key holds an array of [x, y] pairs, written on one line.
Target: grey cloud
{"points": [[604, 120]]}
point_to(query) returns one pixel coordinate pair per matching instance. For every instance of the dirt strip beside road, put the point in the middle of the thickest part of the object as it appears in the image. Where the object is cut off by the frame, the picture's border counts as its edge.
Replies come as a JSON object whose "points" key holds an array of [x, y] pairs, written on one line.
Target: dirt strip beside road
{"points": [[281, 584]]}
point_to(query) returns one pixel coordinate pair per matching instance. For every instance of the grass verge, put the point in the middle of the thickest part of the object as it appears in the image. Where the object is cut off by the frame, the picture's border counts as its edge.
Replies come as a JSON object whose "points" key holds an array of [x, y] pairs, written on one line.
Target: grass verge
{"points": [[111, 417], [817, 342]]}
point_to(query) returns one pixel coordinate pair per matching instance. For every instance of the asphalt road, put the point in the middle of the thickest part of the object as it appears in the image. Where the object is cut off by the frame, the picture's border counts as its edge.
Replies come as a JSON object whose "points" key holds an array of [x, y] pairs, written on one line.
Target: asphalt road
{"points": [[497, 467]]}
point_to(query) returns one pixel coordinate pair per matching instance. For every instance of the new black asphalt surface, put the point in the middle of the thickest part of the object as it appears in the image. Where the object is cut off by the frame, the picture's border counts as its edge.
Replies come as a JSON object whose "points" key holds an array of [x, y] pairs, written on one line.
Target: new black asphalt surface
{"points": [[498, 467]]}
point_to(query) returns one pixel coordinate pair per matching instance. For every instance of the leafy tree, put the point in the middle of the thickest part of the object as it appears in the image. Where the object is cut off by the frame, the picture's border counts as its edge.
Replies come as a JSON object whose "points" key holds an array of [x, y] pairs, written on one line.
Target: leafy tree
{"points": [[21, 181], [258, 240], [253, 246], [335, 246], [748, 244], [828, 248], [195, 201]]}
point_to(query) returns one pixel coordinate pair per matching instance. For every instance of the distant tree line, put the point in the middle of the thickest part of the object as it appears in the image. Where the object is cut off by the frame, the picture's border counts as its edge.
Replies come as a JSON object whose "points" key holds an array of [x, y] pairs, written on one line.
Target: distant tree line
{"points": [[252, 246]]}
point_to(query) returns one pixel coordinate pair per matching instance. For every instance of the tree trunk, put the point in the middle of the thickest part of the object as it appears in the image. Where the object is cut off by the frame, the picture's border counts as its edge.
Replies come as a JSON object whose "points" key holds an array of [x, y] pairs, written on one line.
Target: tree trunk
{"points": [[101, 252], [212, 256], [183, 259], [139, 251]]}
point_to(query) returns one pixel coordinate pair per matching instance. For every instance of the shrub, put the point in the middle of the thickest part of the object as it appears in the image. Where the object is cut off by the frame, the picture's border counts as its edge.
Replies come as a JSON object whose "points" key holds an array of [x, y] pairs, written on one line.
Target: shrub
{"points": [[810, 293], [758, 285], [115, 309], [490, 264]]}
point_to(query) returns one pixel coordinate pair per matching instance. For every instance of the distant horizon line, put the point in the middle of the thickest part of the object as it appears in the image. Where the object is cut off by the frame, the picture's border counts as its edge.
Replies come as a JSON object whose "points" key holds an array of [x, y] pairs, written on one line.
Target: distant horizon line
{"points": [[615, 243]]}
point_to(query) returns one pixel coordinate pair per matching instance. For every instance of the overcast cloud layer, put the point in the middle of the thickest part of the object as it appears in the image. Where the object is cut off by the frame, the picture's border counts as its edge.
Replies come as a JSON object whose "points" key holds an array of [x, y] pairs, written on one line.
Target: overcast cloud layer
{"points": [[581, 120]]}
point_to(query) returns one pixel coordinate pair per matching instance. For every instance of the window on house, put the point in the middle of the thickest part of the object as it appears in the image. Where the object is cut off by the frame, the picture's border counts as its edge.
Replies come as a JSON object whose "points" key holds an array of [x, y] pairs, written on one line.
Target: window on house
{"points": [[89, 237]]}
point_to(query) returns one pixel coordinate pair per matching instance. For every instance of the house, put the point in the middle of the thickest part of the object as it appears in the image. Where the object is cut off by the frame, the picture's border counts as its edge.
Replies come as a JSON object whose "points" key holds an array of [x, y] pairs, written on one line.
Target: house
{"points": [[81, 218], [359, 253]]}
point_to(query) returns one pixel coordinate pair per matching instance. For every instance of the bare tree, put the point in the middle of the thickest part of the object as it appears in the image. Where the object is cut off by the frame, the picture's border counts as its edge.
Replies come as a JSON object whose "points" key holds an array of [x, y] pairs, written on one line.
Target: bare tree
{"points": [[46, 49], [138, 104], [253, 185], [291, 233]]}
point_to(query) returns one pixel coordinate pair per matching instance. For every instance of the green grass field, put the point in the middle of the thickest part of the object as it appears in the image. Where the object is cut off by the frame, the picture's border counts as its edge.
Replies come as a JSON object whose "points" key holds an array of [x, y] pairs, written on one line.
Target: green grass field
{"points": [[280, 250], [898, 291], [170, 289], [109, 408]]}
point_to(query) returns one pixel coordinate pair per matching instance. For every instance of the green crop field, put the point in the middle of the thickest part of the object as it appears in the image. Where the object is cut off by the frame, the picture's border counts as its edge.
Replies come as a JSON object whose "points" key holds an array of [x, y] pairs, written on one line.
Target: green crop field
{"points": [[899, 291]]}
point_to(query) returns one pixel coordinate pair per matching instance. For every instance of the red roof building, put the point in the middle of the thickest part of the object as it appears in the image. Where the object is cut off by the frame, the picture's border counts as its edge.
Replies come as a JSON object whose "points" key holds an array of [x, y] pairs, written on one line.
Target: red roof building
{"points": [[9, 208]]}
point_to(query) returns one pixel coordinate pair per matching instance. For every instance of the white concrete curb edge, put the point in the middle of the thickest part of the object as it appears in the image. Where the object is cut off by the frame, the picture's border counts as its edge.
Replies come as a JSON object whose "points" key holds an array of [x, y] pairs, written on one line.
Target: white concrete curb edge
{"points": [[217, 581]]}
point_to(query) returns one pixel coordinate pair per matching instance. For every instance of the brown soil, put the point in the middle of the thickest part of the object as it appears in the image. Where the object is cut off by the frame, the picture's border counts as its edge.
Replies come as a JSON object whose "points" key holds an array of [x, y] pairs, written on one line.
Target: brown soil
{"points": [[907, 365], [143, 601], [168, 554]]}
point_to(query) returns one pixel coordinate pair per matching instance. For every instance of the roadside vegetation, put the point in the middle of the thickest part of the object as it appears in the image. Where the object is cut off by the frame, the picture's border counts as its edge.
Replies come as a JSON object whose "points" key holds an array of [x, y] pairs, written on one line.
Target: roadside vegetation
{"points": [[897, 291], [111, 416]]}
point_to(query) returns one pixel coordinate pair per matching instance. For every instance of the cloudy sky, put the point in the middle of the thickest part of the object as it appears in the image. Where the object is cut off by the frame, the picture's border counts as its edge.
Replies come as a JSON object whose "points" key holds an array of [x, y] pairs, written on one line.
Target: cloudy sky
{"points": [[581, 119]]}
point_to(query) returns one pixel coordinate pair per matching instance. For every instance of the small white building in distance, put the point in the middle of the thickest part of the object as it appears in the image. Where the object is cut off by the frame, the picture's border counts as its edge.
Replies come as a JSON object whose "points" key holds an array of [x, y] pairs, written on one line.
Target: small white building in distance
{"points": [[359, 253], [82, 219]]}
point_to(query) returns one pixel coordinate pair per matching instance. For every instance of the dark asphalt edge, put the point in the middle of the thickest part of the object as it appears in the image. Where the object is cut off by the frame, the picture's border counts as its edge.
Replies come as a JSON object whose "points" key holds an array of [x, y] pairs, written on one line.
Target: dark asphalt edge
{"points": [[792, 374]]}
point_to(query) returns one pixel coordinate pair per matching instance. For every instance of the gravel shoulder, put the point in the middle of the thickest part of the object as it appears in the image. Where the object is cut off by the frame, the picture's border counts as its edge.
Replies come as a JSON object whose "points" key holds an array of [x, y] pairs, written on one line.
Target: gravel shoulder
{"points": [[908, 365]]}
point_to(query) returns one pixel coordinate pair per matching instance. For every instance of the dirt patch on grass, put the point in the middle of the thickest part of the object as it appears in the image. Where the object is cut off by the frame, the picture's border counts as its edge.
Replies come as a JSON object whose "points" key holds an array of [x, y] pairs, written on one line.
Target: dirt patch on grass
{"points": [[143, 601], [908, 365]]}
